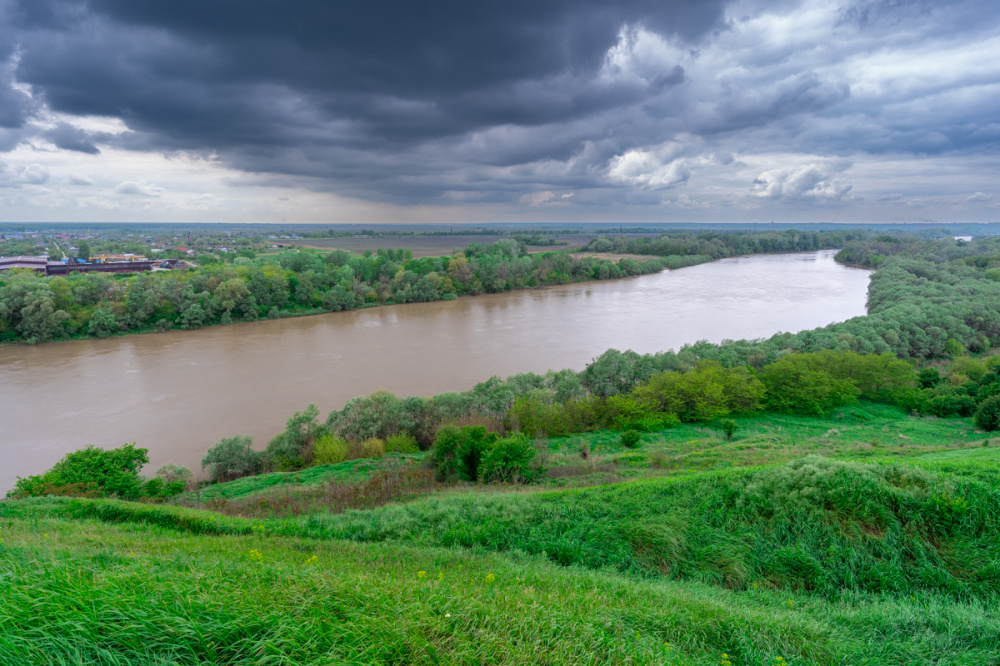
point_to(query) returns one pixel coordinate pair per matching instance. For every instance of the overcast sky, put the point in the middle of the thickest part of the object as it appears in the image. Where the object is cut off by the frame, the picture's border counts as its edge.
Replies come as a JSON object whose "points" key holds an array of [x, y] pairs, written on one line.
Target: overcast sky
{"points": [[499, 110]]}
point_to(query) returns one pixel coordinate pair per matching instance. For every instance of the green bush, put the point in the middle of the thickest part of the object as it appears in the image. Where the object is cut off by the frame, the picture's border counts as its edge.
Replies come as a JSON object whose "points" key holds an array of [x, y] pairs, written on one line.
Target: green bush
{"points": [[293, 448], [402, 442], [328, 450], [458, 451], [509, 460], [987, 417], [630, 439], [950, 401], [92, 472], [929, 378], [233, 458], [706, 392], [380, 415], [796, 385], [170, 473]]}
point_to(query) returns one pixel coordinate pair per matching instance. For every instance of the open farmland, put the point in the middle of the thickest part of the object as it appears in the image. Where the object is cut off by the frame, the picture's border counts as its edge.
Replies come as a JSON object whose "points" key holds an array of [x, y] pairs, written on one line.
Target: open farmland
{"points": [[431, 246]]}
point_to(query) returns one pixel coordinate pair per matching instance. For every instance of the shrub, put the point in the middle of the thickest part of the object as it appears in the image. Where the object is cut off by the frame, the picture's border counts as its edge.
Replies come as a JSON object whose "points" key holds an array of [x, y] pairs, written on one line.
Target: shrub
{"points": [[794, 386], [630, 439], [950, 402], [401, 443], [233, 458], [328, 450], [509, 460], [103, 323], [380, 415], [987, 417], [704, 393], [170, 473], [92, 471], [929, 378], [728, 427], [371, 448], [293, 448], [458, 451]]}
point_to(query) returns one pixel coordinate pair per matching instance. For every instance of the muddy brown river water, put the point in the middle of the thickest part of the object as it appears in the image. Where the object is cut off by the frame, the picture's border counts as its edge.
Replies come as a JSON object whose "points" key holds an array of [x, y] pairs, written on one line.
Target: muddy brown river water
{"points": [[180, 392]]}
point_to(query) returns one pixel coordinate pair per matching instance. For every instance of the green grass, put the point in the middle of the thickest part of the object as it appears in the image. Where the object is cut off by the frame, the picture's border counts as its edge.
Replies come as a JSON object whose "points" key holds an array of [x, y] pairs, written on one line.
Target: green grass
{"points": [[81, 591], [883, 552], [351, 470], [865, 431]]}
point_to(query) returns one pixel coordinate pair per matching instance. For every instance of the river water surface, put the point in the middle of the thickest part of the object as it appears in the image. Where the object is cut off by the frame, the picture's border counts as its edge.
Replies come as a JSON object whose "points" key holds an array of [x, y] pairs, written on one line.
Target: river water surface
{"points": [[178, 393]]}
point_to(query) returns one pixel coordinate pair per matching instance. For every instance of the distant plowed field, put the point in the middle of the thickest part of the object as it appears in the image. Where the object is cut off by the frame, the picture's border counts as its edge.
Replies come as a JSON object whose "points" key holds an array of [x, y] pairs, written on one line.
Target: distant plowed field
{"points": [[427, 246]]}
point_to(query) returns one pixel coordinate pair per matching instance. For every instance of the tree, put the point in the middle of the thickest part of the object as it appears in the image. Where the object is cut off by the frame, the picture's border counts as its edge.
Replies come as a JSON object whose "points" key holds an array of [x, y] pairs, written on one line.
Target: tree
{"points": [[379, 415], [290, 449], [793, 387], [233, 458], [103, 323], [615, 372], [987, 417], [83, 250], [458, 452], [509, 460]]}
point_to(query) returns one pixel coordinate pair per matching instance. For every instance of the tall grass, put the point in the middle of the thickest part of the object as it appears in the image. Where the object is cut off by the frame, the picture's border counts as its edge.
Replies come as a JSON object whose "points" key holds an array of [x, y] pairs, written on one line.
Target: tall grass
{"points": [[84, 592], [814, 525]]}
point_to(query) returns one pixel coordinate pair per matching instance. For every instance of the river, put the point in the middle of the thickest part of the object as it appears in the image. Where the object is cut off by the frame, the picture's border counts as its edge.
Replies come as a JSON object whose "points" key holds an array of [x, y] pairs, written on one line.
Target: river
{"points": [[178, 393]]}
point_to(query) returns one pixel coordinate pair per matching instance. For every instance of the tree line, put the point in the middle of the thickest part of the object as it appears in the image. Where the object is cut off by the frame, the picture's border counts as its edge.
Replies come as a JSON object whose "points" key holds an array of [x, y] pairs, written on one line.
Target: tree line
{"points": [[722, 244], [37, 309]]}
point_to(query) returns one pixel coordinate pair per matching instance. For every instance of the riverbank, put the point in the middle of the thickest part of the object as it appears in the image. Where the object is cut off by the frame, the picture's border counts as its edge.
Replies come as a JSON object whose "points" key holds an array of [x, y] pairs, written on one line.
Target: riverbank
{"points": [[179, 392]]}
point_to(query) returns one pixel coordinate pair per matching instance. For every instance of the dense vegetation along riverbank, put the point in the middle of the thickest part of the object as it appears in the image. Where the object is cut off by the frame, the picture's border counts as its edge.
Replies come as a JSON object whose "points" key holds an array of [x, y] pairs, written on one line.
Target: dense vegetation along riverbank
{"points": [[289, 283]]}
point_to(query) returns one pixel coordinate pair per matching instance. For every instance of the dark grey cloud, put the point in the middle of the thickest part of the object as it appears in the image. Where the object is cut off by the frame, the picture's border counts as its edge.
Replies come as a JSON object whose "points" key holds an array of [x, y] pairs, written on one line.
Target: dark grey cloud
{"points": [[70, 137], [504, 100]]}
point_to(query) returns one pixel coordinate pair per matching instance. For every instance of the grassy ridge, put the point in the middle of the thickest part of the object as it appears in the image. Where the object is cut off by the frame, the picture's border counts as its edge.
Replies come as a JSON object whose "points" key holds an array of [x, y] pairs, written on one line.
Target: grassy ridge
{"points": [[85, 592], [814, 524]]}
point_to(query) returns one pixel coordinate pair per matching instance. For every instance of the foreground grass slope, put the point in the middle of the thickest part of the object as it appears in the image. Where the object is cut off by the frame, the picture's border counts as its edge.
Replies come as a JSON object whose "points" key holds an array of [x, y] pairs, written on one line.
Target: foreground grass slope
{"points": [[814, 524], [85, 591]]}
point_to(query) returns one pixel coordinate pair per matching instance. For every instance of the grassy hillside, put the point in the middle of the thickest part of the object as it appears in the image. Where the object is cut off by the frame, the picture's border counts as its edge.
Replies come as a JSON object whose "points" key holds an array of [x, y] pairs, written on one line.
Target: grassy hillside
{"points": [[864, 431], [863, 537], [86, 591]]}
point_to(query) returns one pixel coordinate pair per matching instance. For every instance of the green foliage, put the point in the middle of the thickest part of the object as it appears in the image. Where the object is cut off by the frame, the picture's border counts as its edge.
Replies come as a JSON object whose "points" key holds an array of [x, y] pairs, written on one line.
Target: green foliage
{"points": [[98, 472], [509, 460], [706, 392], [233, 458], [729, 428], [987, 416], [796, 384], [929, 378], [103, 323], [630, 439], [328, 450], [378, 415], [401, 443], [458, 452], [293, 447], [170, 473], [615, 372]]}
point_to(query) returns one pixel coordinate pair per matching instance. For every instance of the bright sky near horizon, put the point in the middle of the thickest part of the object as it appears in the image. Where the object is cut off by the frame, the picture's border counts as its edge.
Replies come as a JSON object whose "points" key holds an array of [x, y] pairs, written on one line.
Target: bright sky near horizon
{"points": [[500, 111]]}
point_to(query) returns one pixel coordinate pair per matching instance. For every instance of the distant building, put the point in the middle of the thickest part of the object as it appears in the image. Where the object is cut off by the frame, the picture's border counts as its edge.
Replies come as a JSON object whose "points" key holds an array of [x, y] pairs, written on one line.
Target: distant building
{"points": [[42, 265], [34, 263]]}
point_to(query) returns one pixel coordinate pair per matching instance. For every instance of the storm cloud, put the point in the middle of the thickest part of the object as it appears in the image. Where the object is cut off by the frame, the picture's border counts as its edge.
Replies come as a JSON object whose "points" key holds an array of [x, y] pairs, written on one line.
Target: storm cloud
{"points": [[546, 105]]}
